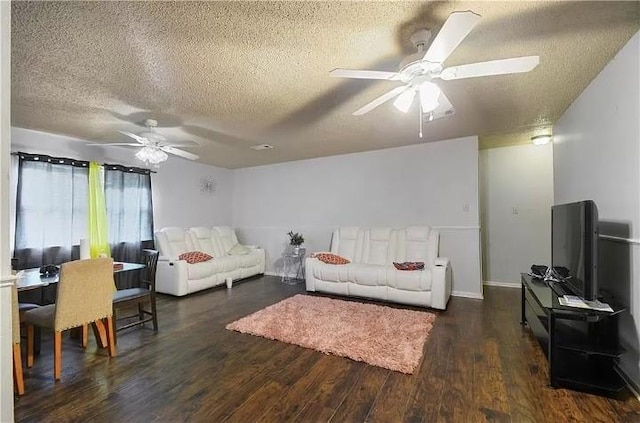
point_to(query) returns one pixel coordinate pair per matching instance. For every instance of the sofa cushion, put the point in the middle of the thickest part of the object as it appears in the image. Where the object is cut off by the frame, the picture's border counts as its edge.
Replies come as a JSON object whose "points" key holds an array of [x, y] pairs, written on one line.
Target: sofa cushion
{"points": [[203, 240], [370, 274], [248, 260], [379, 246], [227, 263], [173, 241], [193, 257], [330, 258], [409, 281], [201, 270], [227, 236], [239, 250], [418, 244], [332, 273], [347, 243]]}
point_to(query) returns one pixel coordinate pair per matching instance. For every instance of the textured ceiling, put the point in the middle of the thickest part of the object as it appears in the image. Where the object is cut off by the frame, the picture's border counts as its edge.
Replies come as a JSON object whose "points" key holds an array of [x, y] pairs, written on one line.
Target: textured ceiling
{"points": [[230, 75]]}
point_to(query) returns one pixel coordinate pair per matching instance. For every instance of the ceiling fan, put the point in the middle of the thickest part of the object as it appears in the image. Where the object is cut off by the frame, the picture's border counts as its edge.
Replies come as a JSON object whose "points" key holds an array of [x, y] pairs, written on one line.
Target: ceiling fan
{"points": [[419, 70], [155, 146]]}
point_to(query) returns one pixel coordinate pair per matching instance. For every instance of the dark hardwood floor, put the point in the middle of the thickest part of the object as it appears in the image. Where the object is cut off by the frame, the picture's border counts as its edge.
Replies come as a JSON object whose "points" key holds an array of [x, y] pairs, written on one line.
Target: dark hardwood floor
{"points": [[479, 365]]}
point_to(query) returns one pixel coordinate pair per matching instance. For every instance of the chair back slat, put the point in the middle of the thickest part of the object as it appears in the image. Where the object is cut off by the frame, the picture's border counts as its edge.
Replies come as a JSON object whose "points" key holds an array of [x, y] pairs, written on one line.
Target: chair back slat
{"points": [[85, 292], [150, 260]]}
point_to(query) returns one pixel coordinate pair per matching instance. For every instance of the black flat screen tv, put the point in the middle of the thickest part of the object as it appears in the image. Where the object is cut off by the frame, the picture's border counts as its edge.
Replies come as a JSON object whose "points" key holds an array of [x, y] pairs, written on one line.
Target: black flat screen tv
{"points": [[574, 247]]}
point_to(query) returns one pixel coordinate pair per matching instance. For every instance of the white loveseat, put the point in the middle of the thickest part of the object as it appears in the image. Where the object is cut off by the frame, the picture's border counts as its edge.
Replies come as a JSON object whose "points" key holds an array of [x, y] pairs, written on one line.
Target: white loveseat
{"points": [[177, 277], [371, 273]]}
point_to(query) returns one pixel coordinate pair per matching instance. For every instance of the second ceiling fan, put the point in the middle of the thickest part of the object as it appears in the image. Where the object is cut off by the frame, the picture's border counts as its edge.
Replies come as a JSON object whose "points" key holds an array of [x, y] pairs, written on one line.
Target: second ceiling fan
{"points": [[418, 70]]}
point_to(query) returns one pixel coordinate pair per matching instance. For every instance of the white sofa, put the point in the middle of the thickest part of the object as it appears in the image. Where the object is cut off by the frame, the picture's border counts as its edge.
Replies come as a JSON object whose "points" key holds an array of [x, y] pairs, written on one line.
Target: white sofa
{"points": [[177, 277], [371, 273]]}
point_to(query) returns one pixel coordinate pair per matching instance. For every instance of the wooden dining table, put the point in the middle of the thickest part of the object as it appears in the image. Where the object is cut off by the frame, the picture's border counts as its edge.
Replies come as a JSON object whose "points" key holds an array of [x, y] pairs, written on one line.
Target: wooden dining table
{"points": [[29, 279]]}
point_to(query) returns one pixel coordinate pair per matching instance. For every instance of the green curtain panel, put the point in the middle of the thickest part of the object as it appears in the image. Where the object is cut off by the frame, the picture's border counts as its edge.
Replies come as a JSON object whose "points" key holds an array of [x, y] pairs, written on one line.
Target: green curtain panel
{"points": [[98, 233]]}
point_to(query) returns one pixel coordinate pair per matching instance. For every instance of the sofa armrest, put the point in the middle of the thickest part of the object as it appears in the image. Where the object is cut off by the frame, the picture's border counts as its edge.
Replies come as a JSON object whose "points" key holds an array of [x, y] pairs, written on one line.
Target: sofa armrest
{"points": [[310, 280], [440, 283], [172, 277], [168, 259], [441, 262], [251, 247]]}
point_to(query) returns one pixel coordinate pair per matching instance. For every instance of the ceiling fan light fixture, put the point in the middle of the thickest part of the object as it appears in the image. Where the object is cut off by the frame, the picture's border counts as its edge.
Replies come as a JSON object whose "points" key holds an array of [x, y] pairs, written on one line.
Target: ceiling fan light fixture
{"points": [[429, 93], [151, 155], [541, 139], [404, 100]]}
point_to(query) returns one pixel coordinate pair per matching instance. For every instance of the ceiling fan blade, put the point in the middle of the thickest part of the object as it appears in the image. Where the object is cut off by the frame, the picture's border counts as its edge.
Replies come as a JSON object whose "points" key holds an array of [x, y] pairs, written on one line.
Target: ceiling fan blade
{"points": [[457, 26], [378, 101], [115, 143], [493, 67], [180, 153], [141, 140], [363, 74], [187, 143]]}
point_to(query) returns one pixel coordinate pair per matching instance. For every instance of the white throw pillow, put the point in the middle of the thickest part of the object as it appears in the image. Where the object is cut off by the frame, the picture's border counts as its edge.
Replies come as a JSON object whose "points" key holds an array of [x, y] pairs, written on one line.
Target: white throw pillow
{"points": [[239, 250]]}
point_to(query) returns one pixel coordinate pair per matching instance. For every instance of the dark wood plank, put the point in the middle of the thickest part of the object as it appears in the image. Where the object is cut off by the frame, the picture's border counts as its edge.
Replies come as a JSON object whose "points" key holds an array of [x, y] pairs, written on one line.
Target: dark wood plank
{"points": [[356, 406], [322, 405], [489, 391], [296, 398], [479, 365]]}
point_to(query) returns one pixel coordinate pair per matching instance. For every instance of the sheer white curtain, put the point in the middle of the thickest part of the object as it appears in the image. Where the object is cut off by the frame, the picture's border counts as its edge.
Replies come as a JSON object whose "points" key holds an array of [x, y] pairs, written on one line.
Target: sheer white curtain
{"points": [[51, 209], [129, 214]]}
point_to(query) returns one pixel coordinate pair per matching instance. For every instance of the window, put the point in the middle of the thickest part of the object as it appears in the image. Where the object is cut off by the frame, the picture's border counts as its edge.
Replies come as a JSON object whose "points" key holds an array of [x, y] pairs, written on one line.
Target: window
{"points": [[52, 209], [129, 206]]}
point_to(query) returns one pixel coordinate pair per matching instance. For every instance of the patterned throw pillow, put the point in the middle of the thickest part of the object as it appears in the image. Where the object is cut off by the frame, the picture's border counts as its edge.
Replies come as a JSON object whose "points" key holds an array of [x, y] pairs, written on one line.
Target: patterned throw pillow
{"points": [[330, 258], [192, 257], [409, 265]]}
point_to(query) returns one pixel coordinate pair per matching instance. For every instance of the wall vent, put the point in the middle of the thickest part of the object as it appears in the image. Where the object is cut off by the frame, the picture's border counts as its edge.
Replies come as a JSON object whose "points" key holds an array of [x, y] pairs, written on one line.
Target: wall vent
{"points": [[262, 147]]}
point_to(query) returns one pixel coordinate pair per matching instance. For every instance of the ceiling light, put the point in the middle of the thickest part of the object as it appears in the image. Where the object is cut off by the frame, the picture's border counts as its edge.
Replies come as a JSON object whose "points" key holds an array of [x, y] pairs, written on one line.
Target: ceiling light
{"points": [[404, 100], [429, 93], [151, 155], [541, 139]]}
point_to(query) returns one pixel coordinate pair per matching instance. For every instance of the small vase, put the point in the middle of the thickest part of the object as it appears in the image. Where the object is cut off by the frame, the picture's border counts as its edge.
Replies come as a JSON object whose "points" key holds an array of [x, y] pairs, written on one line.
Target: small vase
{"points": [[296, 249]]}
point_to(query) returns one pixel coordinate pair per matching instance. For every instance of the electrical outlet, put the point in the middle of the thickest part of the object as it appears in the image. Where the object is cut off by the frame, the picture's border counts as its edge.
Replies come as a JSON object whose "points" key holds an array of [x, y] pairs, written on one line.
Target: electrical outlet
{"points": [[515, 210]]}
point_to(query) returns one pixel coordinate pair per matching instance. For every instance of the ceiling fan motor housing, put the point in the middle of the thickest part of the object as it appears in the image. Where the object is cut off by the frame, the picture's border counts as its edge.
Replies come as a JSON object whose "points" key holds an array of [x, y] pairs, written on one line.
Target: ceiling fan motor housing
{"points": [[414, 65]]}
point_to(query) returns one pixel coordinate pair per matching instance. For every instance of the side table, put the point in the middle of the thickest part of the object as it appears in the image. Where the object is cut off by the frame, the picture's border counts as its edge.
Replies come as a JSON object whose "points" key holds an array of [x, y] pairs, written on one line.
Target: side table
{"points": [[293, 264]]}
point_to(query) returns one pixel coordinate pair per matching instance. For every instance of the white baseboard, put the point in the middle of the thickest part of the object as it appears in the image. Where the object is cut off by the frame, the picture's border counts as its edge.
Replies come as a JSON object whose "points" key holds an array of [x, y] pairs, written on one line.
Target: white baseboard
{"points": [[503, 284], [273, 274], [474, 295]]}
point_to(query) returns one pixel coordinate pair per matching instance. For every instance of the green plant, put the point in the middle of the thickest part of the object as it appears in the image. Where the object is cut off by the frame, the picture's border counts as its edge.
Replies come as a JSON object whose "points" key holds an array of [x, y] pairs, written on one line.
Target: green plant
{"points": [[295, 239]]}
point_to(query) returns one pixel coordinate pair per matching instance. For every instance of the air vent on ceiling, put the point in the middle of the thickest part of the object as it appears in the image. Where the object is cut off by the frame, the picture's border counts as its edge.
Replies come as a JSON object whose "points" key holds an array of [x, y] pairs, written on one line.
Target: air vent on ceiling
{"points": [[262, 147]]}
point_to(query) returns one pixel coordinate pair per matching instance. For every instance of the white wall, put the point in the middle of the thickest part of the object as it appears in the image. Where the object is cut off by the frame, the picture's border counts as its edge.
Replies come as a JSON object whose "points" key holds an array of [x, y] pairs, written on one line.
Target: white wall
{"points": [[431, 184], [6, 367], [519, 177], [177, 198], [597, 156]]}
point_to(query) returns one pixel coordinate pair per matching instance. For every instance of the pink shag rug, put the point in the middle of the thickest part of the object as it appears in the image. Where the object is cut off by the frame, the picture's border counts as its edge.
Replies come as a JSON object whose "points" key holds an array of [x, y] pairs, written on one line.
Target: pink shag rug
{"points": [[382, 336]]}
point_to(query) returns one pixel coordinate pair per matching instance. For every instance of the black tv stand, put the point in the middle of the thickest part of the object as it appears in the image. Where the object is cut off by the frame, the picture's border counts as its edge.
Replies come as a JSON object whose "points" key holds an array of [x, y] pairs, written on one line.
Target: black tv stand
{"points": [[582, 345]]}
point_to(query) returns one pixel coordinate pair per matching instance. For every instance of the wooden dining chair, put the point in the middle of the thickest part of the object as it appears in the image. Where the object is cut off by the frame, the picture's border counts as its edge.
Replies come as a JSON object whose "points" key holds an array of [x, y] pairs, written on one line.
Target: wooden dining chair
{"points": [[145, 295], [18, 376], [85, 294]]}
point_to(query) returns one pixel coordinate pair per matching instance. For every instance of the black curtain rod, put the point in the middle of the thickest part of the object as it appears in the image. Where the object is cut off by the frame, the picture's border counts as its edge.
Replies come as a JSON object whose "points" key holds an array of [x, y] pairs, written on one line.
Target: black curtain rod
{"points": [[77, 163]]}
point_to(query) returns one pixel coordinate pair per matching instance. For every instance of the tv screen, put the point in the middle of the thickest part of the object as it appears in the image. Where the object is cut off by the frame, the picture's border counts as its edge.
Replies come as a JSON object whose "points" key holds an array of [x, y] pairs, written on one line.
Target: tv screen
{"points": [[574, 247]]}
